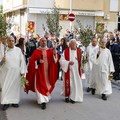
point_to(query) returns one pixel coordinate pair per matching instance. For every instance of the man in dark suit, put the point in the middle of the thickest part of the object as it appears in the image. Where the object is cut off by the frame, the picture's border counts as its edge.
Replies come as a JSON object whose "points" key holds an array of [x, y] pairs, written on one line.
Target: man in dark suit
{"points": [[115, 50], [49, 42]]}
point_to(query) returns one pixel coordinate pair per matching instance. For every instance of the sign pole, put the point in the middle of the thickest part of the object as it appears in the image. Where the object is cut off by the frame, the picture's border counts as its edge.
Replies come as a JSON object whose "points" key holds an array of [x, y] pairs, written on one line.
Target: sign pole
{"points": [[70, 12]]}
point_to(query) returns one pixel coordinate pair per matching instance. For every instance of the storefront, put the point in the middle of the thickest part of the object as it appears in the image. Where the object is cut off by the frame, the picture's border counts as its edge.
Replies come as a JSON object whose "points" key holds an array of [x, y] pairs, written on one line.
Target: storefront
{"points": [[39, 17]]}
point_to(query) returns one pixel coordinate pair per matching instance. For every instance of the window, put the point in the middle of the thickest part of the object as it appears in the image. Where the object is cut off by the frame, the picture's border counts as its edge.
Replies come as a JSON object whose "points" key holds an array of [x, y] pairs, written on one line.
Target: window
{"points": [[114, 5]]}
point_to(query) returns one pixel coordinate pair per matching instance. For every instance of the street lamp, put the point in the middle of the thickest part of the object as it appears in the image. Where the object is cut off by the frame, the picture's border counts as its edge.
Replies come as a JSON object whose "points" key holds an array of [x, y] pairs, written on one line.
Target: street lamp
{"points": [[70, 12]]}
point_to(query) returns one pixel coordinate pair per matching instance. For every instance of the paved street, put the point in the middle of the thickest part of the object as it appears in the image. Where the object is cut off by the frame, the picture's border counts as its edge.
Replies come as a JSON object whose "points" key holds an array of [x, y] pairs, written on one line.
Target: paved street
{"points": [[2, 114], [93, 108]]}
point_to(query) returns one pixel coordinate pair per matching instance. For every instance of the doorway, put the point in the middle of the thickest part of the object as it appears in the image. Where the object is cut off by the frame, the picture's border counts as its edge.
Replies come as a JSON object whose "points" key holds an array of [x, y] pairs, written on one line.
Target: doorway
{"points": [[119, 23]]}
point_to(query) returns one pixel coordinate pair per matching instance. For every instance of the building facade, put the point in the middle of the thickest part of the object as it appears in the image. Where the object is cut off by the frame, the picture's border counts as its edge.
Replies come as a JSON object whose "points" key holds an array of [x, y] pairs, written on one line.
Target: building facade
{"points": [[33, 12]]}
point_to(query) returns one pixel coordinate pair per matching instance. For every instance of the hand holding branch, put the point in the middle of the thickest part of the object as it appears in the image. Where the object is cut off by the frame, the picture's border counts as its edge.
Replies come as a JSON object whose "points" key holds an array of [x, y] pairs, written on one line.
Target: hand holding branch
{"points": [[3, 59], [71, 63]]}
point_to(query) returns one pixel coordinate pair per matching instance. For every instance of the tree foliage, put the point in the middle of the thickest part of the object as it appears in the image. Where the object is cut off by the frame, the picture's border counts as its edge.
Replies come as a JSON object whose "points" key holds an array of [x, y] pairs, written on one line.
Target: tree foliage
{"points": [[52, 21], [4, 26], [85, 33]]}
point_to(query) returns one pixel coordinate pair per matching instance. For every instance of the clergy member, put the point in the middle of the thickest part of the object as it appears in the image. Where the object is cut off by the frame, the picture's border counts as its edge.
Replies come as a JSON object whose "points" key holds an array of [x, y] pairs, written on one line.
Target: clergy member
{"points": [[70, 63], [42, 72], [13, 66], [2, 49], [90, 49], [102, 68]]}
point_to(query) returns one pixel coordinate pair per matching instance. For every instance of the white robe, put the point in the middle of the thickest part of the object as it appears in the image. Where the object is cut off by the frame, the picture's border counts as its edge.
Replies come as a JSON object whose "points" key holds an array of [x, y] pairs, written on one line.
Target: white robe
{"points": [[11, 74], [101, 70], [76, 88], [1, 51], [2, 48], [41, 98], [89, 51]]}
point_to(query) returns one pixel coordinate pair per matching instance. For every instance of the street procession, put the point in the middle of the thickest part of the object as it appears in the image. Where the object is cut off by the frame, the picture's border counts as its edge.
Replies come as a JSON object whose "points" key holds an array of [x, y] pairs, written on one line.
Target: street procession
{"points": [[58, 52]]}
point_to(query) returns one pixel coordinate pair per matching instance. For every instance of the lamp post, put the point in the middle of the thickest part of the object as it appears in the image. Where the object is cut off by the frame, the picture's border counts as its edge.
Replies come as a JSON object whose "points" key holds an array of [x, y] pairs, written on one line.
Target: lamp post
{"points": [[70, 12]]}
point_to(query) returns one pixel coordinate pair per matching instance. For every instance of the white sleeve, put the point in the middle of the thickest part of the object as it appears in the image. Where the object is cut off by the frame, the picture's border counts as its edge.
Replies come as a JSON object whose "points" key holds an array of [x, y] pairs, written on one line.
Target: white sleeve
{"points": [[64, 63], [23, 67]]}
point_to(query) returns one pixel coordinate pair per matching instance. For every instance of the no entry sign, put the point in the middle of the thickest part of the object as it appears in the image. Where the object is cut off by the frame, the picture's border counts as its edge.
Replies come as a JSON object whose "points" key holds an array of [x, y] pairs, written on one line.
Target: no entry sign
{"points": [[71, 17]]}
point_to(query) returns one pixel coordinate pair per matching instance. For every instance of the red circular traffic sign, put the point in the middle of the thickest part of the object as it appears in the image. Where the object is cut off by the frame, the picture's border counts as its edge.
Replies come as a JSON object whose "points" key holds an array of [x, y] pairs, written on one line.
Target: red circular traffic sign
{"points": [[71, 17]]}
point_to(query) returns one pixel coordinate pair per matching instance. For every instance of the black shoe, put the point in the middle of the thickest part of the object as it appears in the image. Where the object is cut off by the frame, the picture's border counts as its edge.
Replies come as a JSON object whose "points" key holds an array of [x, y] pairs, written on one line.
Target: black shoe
{"points": [[15, 105], [93, 91], [67, 100], [104, 97], [5, 107], [88, 89], [43, 106], [72, 101], [117, 78]]}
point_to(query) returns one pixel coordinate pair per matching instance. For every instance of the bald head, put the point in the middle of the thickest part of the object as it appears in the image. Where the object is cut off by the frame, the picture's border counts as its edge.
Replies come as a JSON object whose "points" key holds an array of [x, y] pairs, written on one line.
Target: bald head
{"points": [[43, 42], [73, 44], [94, 42], [11, 42], [103, 43]]}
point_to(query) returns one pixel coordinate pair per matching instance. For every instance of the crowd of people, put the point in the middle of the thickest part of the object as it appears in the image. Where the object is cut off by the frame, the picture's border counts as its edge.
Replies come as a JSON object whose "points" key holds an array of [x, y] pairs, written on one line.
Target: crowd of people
{"points": [[40, 60]]}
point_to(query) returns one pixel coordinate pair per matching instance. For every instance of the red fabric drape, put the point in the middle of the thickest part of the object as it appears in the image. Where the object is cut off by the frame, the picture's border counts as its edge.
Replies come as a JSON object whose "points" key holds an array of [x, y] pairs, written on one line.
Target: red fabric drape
{"points": [[39, 74], [67, 74]]}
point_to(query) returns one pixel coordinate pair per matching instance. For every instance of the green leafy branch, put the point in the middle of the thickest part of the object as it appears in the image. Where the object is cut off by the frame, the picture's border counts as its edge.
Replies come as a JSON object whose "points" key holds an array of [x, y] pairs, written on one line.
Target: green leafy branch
{"points": [[52, 20], [85, 33], [5, 26]]}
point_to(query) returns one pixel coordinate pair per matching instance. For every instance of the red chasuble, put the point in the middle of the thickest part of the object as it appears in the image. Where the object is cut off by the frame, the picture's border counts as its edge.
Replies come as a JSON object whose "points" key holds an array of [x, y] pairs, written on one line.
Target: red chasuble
{"points": [[67, 74], [43, 85]]}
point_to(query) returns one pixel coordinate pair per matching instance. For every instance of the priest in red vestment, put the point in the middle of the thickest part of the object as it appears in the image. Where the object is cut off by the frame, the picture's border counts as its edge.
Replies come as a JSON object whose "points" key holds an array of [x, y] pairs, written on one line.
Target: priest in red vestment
{"points": [[70, 63], [42, 72]]}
